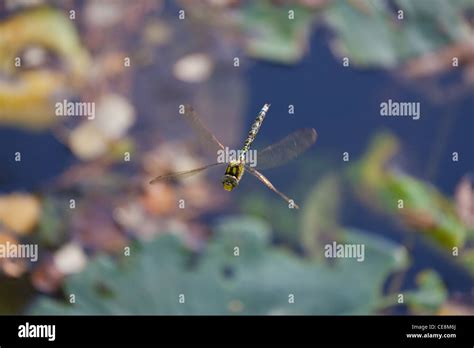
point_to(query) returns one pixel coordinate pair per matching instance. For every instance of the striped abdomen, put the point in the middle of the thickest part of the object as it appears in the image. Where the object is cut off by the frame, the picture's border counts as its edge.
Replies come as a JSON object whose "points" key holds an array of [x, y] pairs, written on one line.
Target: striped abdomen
{"points": [[254, 130]]}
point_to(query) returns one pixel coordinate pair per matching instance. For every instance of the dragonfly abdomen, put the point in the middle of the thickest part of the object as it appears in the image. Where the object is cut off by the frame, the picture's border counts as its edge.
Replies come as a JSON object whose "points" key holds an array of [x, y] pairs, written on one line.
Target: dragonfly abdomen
{"points": [[254, 130]]}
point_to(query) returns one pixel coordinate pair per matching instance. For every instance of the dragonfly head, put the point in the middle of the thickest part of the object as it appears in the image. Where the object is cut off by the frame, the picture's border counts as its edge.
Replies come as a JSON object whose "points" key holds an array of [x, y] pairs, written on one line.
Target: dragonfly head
{"points": [[229, 182]]}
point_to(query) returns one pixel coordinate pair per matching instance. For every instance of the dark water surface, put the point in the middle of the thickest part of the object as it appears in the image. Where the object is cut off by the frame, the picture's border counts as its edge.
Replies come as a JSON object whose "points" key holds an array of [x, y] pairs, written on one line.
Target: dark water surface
{"points": [[343, 104]]}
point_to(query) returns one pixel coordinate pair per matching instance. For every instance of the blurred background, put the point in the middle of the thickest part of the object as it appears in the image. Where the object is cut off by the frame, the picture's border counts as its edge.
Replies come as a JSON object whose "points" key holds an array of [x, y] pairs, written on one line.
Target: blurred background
{"points": [[110, 243]]}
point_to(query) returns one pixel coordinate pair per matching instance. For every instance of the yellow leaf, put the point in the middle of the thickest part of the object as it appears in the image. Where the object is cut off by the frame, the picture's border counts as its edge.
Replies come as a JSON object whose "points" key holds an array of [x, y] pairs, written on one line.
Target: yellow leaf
{"points": [[19, 212]]}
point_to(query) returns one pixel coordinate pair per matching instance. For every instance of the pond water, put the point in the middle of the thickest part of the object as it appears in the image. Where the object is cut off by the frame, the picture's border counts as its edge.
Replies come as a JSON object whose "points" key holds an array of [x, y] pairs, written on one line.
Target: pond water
{"points": [[343, 104]]}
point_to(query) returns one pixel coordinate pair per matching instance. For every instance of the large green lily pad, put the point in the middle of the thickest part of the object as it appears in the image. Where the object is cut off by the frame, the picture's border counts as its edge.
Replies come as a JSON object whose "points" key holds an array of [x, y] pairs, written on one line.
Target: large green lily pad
{"points": [[260, 280], [371, 34]]}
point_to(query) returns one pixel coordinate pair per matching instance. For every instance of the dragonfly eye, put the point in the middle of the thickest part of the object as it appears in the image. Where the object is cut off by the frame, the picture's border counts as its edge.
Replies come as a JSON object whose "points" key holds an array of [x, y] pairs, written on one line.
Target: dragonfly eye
{"points": [[229, 182]]}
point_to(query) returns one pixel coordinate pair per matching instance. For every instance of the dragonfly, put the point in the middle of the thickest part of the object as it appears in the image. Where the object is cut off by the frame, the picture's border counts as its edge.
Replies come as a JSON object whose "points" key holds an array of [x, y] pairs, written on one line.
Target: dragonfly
{"points": [[272, 156]]}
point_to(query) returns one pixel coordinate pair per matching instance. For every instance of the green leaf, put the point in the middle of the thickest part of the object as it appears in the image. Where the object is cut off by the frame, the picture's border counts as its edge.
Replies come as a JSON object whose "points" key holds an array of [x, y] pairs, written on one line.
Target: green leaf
{"points": [[272, 35], [425, 208], [270, 208], [260, 280], [429, 296], [369, 32]]}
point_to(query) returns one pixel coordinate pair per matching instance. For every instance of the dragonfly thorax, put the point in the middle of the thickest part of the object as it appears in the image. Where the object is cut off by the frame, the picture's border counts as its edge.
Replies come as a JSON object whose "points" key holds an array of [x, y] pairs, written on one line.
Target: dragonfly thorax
{"points": [[232, 175]]}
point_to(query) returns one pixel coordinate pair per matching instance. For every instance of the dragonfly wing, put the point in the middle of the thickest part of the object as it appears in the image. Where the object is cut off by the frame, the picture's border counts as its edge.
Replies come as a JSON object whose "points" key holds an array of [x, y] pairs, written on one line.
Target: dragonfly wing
{"points": [[205, 135], [267, 183], [286, 149], [183, 174]]}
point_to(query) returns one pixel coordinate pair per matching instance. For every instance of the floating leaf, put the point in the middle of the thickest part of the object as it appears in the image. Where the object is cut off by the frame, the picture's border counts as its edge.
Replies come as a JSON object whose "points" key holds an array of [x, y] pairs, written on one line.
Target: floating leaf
{"points": [[260, 280], [370, 33], [272, 34]]}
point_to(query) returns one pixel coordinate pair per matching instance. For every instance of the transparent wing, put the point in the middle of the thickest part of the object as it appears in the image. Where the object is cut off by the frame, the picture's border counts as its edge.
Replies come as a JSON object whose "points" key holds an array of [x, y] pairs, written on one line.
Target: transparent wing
{"points": [[183, 174], [267, 183], [286, 149], [206, 138]]}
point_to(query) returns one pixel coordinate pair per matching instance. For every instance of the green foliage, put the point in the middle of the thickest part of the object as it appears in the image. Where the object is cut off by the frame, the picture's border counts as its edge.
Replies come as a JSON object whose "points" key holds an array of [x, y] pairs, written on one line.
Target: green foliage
{"points": [[271, 209], [424, 207], [367, 31], [258, 281], [370, 33], [430, 295], [272, 35]]}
